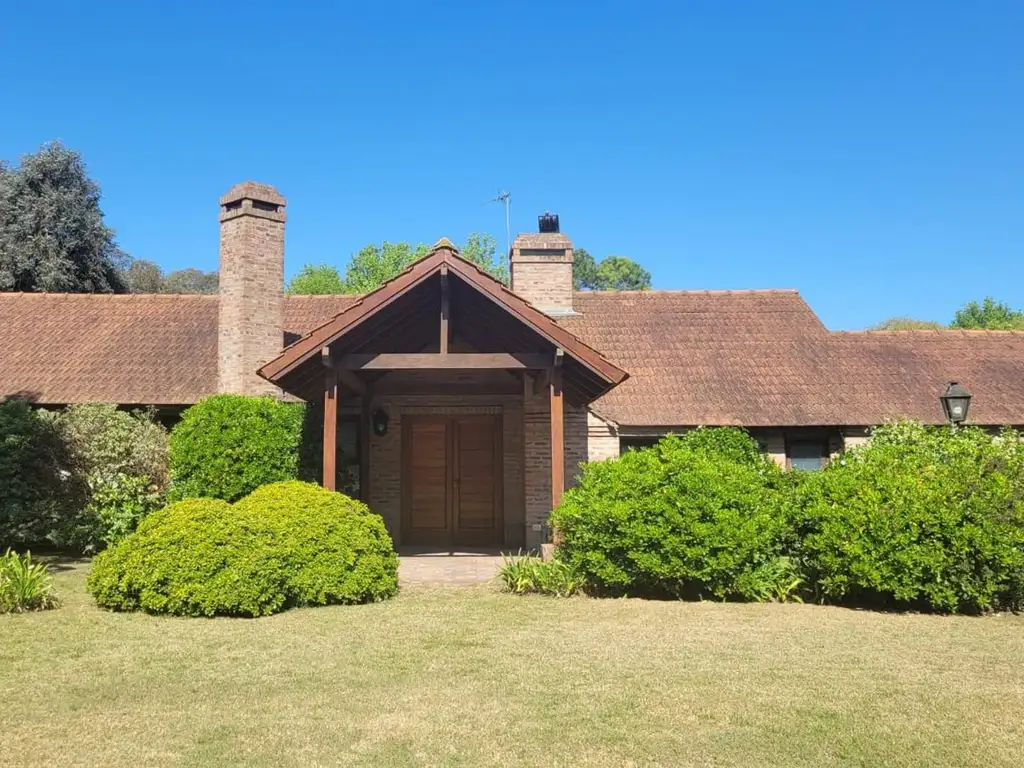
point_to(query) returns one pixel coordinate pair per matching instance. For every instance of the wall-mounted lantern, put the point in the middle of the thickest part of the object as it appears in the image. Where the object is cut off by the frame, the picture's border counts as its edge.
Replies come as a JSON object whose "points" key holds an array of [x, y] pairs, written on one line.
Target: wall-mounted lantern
{"points": [[380, 422], [955, 403]]}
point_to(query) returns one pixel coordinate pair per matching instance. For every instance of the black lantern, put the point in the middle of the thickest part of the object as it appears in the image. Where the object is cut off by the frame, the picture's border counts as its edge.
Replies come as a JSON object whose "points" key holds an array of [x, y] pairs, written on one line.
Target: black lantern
{"points": [[955, 402], [380, 422]]}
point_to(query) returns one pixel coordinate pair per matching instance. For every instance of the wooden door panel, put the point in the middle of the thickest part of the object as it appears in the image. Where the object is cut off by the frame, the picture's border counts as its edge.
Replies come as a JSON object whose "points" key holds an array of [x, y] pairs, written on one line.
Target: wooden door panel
{"points": [[426, 518], [477, 480], [452, 481]]}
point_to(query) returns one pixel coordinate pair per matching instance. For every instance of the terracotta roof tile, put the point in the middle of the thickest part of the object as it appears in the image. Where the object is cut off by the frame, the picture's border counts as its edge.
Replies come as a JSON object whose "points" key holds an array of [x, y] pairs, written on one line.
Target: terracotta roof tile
{"points": [[757, 358]]}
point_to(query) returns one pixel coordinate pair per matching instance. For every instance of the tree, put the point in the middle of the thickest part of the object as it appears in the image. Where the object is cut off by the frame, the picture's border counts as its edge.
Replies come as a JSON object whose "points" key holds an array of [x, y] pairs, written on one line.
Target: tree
{"points": [[316, 280], [191, 280], [52, 234], [482, 250], [584, 270], [144, 277], [906, 324], [612, 273], [375, 264], [989, 314]]}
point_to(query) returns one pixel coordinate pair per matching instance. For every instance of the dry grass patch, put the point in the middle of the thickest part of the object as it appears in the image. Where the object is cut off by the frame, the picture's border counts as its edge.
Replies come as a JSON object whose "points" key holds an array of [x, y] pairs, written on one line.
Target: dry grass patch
{"points": [[470, 676]]}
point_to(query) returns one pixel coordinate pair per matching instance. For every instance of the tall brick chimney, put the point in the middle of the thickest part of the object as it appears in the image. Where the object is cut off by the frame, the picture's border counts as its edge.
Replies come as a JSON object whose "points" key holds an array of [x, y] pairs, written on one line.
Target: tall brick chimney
{"points": [[250, 329], [542, 268]]}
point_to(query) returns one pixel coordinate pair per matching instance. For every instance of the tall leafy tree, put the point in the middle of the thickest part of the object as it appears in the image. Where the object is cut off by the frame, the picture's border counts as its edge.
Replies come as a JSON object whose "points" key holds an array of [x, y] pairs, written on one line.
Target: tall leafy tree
{"points": [[318, 279], [482, 250], [375, 264], [612, 273], [52, 234], [989, 314]]}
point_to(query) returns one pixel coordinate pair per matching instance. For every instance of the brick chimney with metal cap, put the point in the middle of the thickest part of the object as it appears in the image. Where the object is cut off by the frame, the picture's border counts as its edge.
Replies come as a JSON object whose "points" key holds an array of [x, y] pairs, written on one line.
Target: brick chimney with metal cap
{"points": [[250, 328], [541, 266]]}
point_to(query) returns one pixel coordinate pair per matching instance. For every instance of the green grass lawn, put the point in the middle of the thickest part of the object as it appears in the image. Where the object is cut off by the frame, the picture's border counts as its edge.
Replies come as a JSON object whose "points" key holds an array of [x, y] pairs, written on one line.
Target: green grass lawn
{"points": [[469, 676]]}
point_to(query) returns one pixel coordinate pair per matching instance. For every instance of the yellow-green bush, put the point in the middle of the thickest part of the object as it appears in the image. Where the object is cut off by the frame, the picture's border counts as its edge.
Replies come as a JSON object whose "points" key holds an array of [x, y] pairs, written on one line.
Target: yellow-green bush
{"points": [[336, 549], [287, 544]]}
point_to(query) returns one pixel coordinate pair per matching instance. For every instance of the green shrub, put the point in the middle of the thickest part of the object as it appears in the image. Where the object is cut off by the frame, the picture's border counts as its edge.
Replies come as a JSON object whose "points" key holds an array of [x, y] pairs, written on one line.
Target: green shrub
{"points": [[24, 585], [694, 516], [529, 574], [920, 517], [79, 477], [198, 557], [117, 504], [121, 458], [287, 544], [336, 549], [227, 446], [37, 497]]}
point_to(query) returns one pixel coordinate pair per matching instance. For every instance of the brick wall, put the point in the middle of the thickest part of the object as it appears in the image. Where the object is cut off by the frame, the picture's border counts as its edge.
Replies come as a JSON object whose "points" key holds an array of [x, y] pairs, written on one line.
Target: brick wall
{"points": [[250, 326], [542, 271], [602, 439]]}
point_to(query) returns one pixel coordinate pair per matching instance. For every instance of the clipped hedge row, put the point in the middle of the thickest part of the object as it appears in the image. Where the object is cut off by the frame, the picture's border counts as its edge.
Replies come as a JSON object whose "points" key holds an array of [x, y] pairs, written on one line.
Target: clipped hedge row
{"points": [[921, 518], [285, 545]]}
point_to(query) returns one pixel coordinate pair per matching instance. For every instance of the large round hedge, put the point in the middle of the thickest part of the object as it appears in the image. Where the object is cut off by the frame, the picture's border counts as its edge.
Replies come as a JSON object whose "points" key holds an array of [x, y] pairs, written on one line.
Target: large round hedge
{"points": [[693, 516], [336, 549], [921, 517], [287, 544], [226, 446]]}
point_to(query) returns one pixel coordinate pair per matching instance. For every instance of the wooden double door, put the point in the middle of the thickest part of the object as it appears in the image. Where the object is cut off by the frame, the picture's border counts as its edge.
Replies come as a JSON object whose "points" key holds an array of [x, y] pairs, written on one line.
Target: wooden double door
{"points": [[452, 481]]}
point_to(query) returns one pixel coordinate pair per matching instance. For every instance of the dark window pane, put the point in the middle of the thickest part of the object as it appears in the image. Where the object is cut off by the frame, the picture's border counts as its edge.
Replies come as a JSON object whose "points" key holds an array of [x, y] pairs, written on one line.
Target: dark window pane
{"points": [[808, 456]]}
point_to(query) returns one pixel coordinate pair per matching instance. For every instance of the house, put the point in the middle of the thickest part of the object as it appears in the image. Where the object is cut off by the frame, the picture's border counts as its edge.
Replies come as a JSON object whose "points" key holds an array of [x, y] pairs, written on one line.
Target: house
{"points": [[459, 408]]}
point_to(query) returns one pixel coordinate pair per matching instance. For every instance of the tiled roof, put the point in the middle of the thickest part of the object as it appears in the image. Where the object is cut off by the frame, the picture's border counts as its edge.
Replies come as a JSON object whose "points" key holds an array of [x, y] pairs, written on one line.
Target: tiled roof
{"points": [[756, 358], [877, 375], [700, 357], [130, 349]]}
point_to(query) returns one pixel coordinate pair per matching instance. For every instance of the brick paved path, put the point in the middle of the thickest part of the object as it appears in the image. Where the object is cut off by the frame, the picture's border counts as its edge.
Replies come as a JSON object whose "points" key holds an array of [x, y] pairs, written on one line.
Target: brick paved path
{"points": [[429, 567]]}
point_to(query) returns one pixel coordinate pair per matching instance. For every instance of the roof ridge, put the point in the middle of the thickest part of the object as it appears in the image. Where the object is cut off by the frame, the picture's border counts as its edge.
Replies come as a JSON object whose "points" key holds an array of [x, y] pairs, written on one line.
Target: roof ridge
{"points": [[935, 331], [353, 296], [690, 291], [120, 296]]}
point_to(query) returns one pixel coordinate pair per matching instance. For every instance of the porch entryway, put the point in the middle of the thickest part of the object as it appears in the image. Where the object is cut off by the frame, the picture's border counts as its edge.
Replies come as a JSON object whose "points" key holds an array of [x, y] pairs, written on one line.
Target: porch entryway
{"points": [[459, 389]]}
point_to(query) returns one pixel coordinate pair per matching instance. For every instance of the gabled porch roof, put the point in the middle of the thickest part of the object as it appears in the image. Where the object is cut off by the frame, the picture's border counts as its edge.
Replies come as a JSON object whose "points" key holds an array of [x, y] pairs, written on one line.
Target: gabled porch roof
{"points": [[409, 321]]}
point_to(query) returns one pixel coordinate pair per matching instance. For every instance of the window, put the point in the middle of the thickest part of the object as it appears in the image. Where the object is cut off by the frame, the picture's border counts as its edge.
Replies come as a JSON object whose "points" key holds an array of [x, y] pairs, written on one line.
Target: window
{"points": [[806, 455], [348, 474], [636, 443]]}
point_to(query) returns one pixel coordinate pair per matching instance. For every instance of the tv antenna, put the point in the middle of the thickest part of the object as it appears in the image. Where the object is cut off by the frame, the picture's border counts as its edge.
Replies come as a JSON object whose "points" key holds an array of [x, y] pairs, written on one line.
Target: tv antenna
{"points": [[506, 198]]}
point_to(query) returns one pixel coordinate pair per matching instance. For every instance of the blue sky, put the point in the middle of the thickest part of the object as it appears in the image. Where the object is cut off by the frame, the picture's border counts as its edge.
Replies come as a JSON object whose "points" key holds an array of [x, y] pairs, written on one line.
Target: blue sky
{"points": [[870, 154]]}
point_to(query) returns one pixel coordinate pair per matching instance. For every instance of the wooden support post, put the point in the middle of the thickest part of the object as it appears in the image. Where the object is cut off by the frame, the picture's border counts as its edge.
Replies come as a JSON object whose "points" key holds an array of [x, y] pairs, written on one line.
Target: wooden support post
{"points": [[444, 309], [557, 438], [330, 476], [365, 427]]}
